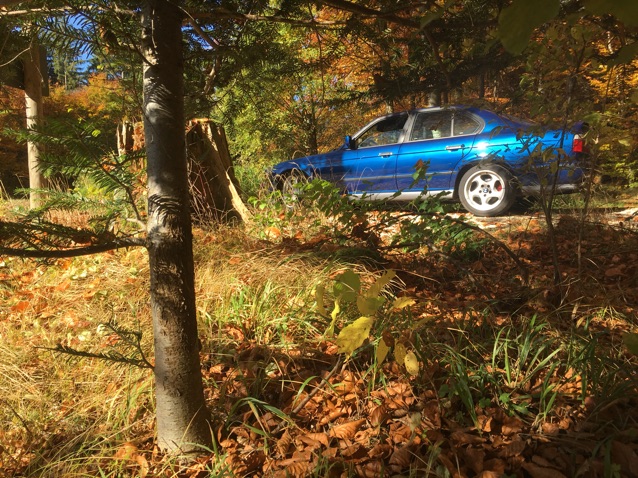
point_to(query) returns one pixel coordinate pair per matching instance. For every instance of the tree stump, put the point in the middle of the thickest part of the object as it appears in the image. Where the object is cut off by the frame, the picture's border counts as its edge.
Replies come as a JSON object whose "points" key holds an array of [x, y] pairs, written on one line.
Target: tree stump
{"points": [[215, 192]]}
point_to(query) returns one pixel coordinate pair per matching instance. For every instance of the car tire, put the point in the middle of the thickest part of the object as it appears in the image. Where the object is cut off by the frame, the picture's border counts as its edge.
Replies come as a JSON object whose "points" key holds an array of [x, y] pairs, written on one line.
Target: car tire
{"points": [[487, 190], [288, 185]]}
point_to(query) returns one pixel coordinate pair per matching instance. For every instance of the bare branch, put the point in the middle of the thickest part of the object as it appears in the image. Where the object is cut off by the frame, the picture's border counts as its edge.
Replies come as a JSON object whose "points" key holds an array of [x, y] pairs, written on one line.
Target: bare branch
{"points": [[80, 251]]}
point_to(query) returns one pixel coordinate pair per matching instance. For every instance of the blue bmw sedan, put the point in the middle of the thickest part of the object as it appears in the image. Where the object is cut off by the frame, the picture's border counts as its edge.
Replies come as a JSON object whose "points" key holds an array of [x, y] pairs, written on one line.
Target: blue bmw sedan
{"points": [[475, 156]]}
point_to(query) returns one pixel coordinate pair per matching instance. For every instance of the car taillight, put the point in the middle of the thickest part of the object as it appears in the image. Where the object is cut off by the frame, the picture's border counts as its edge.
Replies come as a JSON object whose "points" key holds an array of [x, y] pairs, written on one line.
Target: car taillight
{"points": [[578, 144]]}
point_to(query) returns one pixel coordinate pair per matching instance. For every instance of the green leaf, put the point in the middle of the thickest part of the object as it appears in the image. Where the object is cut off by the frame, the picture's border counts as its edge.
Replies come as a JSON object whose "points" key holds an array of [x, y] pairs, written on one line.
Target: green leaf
{"points": [[353, 335], [382, 351], [624, 10], [347, 286], [411, 363], [631, 342], [518, 21]]}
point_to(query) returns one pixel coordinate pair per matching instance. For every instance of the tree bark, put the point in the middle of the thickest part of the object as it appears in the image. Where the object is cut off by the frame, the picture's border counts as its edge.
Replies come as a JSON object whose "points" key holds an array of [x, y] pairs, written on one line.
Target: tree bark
{"points": [[182, 418], [34, 113]]}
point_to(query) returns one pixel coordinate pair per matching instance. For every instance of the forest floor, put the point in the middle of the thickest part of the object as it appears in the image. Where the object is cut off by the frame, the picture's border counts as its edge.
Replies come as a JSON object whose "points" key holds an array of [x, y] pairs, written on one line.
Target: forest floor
{"points": [[477, 364]]}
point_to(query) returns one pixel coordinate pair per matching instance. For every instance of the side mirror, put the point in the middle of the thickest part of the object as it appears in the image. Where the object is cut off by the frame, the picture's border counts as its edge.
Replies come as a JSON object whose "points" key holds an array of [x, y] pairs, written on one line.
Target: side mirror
{"points": [[350, 143]]}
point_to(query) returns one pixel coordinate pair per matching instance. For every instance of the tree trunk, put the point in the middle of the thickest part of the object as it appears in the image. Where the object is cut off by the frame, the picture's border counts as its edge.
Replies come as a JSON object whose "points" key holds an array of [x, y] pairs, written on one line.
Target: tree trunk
{"points": [[182, 418], [33, 98]]}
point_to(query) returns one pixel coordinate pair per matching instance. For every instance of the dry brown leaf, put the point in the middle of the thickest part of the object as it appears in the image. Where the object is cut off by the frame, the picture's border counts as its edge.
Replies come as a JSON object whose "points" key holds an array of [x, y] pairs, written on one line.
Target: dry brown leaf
{"points": [[474, 458], [378, 416], [333, 415], [297, 456], [143, 464], [354, 453], [381, 450], [513, 449], [374, 469], [448, 463], [537, 471], [402, 457], [283, 444], [462, 438], [625, 456], [320, 437], [489, 474], [511, 426], [550, 428], [126, 451], [346, 431], [495, 465]]}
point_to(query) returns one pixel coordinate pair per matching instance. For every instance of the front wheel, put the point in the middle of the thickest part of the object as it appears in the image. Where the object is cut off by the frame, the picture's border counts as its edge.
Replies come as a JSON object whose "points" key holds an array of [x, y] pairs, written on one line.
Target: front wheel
{"points": [[289, 185], [487, 190]]}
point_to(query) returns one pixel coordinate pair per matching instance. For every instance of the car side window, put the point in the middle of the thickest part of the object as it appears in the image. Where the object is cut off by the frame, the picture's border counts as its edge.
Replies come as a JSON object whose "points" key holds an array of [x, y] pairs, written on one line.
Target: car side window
{"points": [[432, 125], [384, 132], [465, 124]]}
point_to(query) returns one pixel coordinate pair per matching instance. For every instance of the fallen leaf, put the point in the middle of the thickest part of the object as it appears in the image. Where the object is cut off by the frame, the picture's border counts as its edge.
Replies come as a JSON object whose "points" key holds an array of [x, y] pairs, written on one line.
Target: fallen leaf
{"points": [[64, 285], [402, 457], [536, 471], [20, 306], [346, 431], [613, 272], [126, 451], [321, 438], [378, 416]]}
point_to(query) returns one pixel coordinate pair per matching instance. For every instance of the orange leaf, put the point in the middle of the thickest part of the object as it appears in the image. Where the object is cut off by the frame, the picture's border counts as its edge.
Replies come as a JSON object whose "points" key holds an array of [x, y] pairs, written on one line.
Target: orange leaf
{"points": [[127, 451], [64, 285], [20, 306]]}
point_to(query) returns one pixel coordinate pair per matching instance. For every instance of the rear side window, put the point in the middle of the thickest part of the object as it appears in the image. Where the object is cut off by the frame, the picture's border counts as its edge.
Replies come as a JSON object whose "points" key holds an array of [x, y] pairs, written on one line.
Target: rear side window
{"points": [[465, 124], [432, 125]]}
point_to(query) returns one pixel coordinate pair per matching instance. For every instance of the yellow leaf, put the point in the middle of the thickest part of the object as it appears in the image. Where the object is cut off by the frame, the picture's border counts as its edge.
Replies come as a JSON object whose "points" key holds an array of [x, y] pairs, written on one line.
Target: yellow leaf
{"points": [[380, 283], [403, 302], [353, 336], [399, 353], [382, 351], [369, 305], [411, 363], [319, 295], [335, 312]]}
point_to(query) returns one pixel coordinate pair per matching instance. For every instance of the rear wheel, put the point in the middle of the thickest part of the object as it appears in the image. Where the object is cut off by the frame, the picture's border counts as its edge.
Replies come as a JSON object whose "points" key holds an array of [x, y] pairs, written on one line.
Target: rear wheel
{"points": [[487, 190]]}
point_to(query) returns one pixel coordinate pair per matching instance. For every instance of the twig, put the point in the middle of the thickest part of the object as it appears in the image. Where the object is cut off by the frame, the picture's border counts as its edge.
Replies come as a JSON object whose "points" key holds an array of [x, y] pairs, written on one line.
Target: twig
{"points": [[80, 251]]}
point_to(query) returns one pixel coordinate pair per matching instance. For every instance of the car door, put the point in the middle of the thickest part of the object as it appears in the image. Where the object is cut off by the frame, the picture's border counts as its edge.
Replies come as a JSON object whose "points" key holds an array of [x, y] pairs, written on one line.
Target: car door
{"points": [[437, 143], [378, 149]]}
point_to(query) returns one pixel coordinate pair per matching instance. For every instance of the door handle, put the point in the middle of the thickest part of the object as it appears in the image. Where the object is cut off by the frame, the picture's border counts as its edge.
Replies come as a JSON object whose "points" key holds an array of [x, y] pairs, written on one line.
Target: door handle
{"points": [[456, 147], [385, 155]]}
